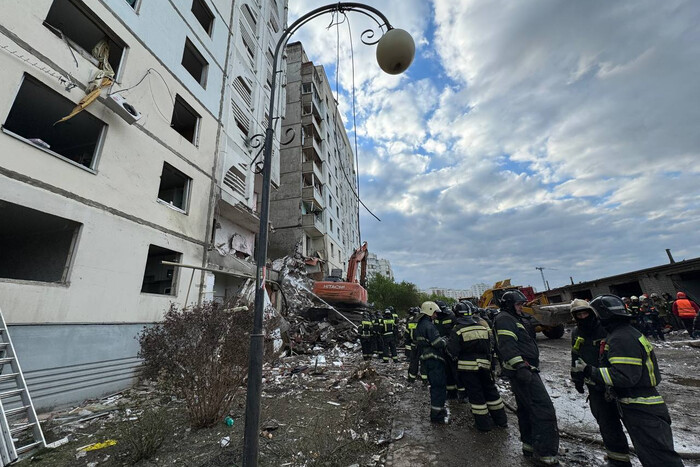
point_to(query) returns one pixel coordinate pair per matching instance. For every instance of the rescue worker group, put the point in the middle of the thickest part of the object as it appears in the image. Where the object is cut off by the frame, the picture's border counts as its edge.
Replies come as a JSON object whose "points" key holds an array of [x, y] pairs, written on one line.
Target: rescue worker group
{"points": [[456, 352]]}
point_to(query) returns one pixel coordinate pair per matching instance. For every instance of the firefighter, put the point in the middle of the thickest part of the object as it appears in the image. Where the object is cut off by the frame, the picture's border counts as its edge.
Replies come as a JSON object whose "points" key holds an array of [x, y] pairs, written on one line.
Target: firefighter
{"points": [[686, 310], [633, 307], [652, 321], [413, 315], [366, 336], [470, 344], [520, 358], [378, 334], [389, 337], [586, 341], [628, 367], [430, 349], [443, 322]]}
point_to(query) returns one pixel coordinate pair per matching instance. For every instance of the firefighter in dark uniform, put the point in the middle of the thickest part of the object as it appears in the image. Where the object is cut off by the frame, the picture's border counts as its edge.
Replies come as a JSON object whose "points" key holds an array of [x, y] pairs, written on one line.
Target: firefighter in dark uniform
{"points": [[413, 316], [430, 349], [633, 307], [586, 341], [444, 321], [628, 367], [366, 336], [470, 344], [520, 358], [378, 334], [389, 337]]}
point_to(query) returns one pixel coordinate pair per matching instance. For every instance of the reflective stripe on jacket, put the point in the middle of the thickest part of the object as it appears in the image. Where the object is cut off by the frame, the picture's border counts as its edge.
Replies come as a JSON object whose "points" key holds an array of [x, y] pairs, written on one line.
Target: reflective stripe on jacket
{"points": [[514, 342], [629, 366]]}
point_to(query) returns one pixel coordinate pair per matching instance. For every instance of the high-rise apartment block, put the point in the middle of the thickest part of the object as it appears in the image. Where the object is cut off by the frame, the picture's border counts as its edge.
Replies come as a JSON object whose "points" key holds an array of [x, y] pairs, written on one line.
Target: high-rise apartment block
{"points": [[315, 207], [158, 168], [379, 266]]}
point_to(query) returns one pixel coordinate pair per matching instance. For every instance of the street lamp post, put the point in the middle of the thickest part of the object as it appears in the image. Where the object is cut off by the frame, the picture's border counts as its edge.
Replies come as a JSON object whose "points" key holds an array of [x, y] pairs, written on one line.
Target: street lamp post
{"points": [[395, 51]]}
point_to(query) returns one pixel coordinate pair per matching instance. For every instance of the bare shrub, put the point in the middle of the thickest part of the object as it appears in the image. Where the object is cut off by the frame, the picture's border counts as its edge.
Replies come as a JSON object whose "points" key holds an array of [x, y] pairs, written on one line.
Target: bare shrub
{"points": [[142, 438], [201, 355]]}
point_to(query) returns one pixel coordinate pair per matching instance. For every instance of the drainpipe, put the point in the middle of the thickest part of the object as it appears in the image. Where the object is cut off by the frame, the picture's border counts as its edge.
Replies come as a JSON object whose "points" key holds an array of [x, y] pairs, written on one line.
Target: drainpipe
{"points": [[213, 196]]}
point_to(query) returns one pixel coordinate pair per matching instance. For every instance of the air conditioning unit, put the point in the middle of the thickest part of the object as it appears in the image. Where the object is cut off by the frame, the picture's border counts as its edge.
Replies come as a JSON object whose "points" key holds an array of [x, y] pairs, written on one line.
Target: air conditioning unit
{"points": [[118, 104]]}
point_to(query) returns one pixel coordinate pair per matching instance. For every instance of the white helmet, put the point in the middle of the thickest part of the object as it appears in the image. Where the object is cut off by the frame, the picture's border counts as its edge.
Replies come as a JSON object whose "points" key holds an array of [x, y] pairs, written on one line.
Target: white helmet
{"points": [[578, 304], [429, 308], [634, 297]]}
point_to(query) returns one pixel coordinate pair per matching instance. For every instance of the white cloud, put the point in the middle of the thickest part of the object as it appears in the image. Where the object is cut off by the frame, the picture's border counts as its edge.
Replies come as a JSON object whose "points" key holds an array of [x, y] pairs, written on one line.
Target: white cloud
{"points": [[565, 137]]}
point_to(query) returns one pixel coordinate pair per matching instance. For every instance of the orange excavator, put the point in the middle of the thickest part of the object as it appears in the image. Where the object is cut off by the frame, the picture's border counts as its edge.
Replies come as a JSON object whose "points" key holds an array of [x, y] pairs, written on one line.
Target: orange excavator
{"points": [[346, 295]]}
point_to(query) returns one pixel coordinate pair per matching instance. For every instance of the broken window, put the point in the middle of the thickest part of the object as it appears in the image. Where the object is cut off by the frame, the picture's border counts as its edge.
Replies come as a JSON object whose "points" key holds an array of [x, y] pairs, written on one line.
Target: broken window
{"points": [[35, 111], [185, 120], [194, 63], [36, 246], [160, 278], [72, 21], [203, 14], [174, 187]]}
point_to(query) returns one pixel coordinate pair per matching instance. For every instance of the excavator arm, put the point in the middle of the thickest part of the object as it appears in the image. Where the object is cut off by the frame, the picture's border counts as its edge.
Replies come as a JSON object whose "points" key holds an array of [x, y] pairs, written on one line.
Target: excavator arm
{"points": [[359, 256]]}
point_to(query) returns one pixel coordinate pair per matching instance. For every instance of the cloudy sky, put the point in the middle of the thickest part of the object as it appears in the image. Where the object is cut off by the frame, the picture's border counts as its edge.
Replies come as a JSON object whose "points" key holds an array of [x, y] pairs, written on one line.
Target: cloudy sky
{"points": [[543, 133]]}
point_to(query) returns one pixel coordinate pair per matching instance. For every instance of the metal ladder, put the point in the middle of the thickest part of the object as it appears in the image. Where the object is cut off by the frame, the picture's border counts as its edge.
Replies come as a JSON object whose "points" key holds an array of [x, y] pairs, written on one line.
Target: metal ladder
{"points": [[19, 425]]}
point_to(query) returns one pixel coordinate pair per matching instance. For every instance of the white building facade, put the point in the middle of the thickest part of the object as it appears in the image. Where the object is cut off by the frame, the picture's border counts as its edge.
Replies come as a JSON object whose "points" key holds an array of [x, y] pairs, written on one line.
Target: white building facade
{"points": [[91, 206], [379, 266]]}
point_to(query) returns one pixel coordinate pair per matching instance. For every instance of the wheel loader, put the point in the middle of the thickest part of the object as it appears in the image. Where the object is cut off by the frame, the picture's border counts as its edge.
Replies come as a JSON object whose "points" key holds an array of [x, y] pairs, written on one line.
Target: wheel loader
{"points": [[550, 318]]}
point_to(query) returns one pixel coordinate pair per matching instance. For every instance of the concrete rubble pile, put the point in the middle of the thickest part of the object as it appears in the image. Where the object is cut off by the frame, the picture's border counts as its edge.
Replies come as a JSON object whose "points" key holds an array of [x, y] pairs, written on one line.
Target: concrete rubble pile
{"points": [[305, 333]]}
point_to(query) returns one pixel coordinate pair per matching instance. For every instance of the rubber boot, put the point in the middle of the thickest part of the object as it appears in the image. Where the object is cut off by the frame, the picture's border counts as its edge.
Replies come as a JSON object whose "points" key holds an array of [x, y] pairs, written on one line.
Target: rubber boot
{"points": [[483, 422], [499, 417]]}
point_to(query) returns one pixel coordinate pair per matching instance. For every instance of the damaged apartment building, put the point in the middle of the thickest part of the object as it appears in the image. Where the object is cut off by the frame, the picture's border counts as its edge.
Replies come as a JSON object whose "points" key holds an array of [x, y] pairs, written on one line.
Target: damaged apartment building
{"points": [[315, 209], [154, 165]]}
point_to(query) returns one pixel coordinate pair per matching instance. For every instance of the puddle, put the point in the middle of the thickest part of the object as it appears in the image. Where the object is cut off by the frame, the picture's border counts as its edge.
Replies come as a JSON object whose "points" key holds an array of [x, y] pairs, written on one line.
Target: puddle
{"points": [[694, 383]]}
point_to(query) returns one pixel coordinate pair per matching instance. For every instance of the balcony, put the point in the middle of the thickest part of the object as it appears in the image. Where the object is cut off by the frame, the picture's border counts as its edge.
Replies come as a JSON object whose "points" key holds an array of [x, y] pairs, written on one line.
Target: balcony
{"points": [[312, 120], [313, 194], [317, 107], [313, 224], [313, 167], [313, 147]]}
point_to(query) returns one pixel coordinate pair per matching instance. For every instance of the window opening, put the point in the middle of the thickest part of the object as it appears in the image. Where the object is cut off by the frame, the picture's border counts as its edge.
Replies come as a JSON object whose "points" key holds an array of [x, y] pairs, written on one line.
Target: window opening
{"points": [[174, 187], [185, 120], [33, 114], [159, 278], [194, 63], [36, 246], [82, 30], [203, 14]]}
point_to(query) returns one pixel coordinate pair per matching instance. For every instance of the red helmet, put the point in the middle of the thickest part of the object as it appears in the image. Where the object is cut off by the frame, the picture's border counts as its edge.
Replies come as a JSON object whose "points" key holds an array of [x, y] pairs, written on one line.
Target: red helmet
{"points": [[680, 295]]}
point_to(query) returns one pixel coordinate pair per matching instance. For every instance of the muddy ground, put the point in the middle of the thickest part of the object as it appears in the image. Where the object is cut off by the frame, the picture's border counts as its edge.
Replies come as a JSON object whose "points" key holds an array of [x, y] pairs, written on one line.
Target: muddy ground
{"points": [[343, 412]]}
